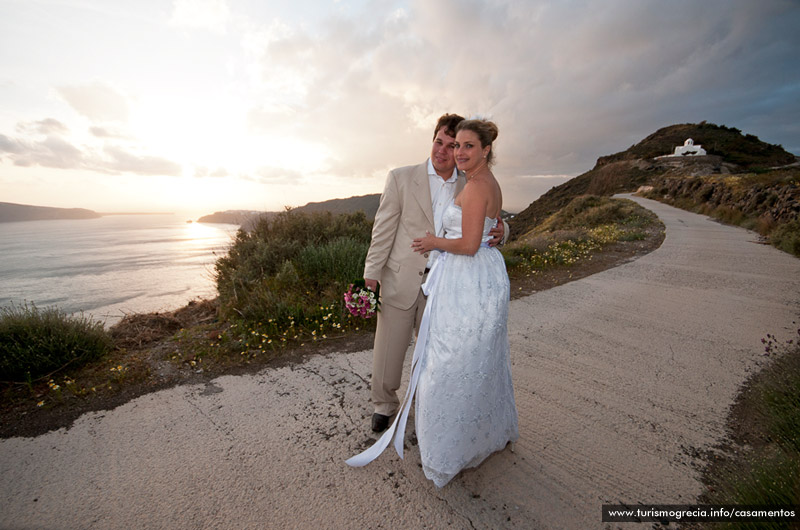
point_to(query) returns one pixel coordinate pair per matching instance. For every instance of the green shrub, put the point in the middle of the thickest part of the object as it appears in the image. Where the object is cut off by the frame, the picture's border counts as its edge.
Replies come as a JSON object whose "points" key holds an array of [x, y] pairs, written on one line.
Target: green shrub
{"points": [[292, 270], [591, 211], [35, 342], [543, 252], [341, 260], [586, 224]]}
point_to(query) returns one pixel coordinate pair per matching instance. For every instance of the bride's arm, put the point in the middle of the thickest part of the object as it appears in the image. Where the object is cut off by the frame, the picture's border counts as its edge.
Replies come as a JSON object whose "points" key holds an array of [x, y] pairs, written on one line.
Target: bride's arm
{"points": [[473, 212]]}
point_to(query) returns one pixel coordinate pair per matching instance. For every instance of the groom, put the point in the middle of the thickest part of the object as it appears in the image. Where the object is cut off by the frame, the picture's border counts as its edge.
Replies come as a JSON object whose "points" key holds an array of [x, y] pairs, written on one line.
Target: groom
{"points": [[413, 201]]}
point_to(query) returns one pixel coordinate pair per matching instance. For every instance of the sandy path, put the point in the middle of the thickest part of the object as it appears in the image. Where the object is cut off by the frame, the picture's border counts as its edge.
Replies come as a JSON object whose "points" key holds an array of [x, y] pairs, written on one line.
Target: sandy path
{"points": [[621, 379]]}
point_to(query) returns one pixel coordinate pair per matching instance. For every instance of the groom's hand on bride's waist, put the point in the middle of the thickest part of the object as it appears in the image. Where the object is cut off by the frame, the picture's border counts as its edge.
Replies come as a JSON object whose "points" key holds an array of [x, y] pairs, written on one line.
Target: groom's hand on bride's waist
{"points": [[497, 233]]}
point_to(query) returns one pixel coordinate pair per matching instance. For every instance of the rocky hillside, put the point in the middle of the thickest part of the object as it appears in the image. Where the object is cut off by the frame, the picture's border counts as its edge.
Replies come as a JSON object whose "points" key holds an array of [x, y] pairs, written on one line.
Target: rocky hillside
{"points": [[729, 152], [771, 197]]}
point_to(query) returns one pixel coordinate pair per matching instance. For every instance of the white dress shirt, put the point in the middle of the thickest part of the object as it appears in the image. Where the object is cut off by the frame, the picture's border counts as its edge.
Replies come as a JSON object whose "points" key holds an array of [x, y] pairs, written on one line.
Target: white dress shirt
{"points": [[442, 192]]}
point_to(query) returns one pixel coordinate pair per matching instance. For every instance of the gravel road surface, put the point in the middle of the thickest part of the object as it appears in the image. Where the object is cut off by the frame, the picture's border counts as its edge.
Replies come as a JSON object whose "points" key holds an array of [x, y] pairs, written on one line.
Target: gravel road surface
{"points": [[623, 381]]}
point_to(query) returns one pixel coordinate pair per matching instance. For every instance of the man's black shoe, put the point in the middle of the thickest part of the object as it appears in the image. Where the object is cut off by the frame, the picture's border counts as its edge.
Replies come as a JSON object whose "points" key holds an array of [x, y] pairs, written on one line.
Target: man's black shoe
{"points": [[379, 422]]}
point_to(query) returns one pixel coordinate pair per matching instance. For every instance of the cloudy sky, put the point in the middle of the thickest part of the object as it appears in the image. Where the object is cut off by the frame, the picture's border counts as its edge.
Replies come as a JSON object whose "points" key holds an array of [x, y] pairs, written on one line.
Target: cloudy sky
{"points": [[204, 105]]}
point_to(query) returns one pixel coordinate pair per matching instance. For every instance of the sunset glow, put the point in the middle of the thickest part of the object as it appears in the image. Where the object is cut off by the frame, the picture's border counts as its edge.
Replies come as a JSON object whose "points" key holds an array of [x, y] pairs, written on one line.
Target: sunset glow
{"points": [[204, 105]]}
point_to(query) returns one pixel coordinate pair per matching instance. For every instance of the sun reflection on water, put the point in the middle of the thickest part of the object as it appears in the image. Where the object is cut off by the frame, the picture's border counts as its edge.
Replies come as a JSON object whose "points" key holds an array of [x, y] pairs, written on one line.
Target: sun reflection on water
{"points": [[203, 234]]}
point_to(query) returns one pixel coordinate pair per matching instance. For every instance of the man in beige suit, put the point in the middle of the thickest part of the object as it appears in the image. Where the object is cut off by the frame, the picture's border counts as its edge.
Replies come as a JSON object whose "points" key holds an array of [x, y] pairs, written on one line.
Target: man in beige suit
{"points": [[412, 203]]}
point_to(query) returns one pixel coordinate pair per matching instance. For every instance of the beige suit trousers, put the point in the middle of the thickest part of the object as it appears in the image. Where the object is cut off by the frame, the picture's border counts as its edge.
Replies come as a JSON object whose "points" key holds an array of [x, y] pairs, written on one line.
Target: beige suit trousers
{"points": [[392, 339]]}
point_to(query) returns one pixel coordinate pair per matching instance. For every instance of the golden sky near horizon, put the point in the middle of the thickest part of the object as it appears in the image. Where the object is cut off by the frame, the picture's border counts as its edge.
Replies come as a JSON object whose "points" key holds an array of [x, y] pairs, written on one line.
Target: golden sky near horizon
{"points": [[204, 105]]}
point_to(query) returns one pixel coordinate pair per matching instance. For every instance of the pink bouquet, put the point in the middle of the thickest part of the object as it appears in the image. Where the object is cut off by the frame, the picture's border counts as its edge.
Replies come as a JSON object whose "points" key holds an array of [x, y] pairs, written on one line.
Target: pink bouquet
{"points": [[360, 301]]}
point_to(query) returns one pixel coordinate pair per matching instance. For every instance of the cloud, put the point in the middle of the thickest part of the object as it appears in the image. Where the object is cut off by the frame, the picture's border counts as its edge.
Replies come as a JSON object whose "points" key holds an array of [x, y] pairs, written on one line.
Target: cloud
{"points": [[56, 150], [98, 101], [276, 175], [45, 126], [52, 152], [104, 132], [521, 190], [327, 94], [565, 82], [9, 145], [206, 172], [565, 88], [126, 162], [211, 15], [345, 92]]}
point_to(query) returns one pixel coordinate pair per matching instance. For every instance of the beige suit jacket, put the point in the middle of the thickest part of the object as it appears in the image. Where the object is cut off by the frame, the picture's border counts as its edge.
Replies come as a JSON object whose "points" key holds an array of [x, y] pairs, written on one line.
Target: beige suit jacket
{"points": [[405, 213]]}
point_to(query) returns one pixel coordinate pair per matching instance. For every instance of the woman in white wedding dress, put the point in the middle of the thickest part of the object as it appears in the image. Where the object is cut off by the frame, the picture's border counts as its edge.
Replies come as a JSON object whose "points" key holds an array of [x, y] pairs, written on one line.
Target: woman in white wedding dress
{"points": [[465, 400], [461, 370]]}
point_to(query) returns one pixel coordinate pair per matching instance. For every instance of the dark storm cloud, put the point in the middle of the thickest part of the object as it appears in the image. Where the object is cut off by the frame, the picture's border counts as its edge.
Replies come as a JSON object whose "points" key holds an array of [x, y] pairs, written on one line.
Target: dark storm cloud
{"points": [[566, 82]]}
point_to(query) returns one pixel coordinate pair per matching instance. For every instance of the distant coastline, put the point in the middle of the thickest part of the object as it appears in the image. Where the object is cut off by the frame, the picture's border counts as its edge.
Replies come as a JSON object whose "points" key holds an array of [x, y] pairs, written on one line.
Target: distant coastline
{"points": [[106, 214], [233, 217], [247, 218], [12, 212]]}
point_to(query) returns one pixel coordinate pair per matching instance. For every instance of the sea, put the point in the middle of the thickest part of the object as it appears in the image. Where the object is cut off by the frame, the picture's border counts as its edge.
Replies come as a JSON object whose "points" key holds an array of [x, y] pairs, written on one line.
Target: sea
{"points": [[112, 266]]}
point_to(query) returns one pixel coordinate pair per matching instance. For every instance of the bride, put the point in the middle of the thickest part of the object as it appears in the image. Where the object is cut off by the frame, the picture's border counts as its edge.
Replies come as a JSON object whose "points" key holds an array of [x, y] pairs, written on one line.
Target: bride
{"points": [[461, 371]]}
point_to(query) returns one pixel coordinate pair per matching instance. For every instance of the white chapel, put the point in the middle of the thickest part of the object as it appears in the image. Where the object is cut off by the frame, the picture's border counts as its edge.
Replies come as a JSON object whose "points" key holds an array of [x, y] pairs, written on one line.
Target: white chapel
{"points": [[689, 149]]}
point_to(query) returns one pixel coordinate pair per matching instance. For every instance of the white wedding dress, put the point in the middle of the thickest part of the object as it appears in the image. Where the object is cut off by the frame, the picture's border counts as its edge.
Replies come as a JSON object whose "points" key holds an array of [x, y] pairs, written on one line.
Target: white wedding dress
{"points": [[461, 371], [465, 400]]}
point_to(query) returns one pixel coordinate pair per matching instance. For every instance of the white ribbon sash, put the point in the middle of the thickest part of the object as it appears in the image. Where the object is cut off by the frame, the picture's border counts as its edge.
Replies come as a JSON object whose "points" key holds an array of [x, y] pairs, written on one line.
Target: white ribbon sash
{"points": [[399, 424]]}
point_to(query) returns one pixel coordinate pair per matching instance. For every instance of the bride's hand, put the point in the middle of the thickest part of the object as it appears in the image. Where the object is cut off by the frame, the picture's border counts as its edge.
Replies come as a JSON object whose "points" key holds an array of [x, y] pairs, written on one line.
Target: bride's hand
{"points": [[424, 244]]}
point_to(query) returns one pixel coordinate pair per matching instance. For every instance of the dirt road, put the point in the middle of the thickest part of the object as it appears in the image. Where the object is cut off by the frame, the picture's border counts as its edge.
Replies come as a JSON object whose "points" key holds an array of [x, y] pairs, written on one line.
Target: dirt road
{"points": [[623, 379]]}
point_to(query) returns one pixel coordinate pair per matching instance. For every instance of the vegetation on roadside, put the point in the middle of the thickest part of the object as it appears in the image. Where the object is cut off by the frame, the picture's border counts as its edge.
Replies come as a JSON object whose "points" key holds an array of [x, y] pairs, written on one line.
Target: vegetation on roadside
{"points": [[35, 343], [283, 281], [763, 466], [766, 202], [587, 224], [281, 288], [281, 284], [786, 237]]}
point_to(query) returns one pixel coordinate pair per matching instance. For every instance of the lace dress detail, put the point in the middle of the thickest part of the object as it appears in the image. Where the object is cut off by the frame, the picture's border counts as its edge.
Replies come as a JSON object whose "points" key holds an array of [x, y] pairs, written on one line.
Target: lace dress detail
{"points": [[465, 407]]}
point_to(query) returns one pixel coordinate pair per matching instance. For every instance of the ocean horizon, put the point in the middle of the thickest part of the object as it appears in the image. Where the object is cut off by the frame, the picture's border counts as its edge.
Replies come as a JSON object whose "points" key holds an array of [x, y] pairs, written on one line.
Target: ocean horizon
{"points": [[110, 266]]}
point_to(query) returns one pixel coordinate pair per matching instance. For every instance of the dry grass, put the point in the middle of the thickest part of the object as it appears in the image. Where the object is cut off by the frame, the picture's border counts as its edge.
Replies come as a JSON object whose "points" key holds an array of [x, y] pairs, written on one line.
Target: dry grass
{"points": [[139, 330], [761, 464]]}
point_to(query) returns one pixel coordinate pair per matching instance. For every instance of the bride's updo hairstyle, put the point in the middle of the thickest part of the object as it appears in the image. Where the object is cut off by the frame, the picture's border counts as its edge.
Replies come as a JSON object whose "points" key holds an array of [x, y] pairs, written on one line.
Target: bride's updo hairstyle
{"points": [[486, 131]]}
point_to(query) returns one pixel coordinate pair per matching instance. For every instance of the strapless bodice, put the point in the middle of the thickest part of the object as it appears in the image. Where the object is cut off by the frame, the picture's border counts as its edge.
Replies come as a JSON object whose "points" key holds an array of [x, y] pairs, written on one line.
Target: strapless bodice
{"points": [[451, 220]]}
